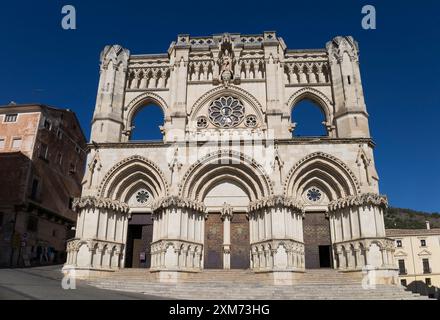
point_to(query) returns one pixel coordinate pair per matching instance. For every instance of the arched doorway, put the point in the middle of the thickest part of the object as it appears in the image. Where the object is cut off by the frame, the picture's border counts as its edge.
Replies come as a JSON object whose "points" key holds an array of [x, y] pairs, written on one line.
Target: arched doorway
{"points": [[317, 240], [227, 243], [140, 227], [137, 182]]}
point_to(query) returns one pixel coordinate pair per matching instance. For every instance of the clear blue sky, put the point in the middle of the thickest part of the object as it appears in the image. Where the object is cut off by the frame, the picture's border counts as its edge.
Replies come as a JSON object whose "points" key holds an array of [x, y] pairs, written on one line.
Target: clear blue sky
{"points": [[400, 66]]}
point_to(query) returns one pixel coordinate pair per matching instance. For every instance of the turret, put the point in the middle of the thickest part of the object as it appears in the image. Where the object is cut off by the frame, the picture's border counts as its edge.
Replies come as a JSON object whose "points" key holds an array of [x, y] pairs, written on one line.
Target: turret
{"points": [[107, 123], [351, 116]]}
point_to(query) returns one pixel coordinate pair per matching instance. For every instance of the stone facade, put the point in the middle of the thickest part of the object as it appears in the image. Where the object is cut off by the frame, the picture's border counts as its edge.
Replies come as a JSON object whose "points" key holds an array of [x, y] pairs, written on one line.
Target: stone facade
{"points": [[228, 152], [42, 156]]}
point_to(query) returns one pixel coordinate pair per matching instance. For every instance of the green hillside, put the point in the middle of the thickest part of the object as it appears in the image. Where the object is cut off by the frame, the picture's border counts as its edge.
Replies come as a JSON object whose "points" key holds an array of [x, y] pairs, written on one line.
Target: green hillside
{"points": [[398, 218]]}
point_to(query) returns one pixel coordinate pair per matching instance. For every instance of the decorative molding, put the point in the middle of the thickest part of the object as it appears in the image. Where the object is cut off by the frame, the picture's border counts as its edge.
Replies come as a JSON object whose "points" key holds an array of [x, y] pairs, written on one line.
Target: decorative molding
{"points": [[339, 45], [111, 173], [231, 154], [277, 201], [91, 202], [178, 202], [226, 211], [326, 157], [231, 89], [145, 96], [324, 102], [359, 200]]}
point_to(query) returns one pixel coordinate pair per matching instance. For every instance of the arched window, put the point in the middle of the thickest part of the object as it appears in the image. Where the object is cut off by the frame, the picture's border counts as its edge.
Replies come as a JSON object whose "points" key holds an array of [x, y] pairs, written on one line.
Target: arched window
{"points": [[308, 120], [146, 123]]}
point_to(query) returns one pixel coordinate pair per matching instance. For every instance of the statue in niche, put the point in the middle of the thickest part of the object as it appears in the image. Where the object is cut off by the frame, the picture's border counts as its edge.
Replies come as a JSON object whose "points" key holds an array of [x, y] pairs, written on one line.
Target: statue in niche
{"points": [[226, 69]]}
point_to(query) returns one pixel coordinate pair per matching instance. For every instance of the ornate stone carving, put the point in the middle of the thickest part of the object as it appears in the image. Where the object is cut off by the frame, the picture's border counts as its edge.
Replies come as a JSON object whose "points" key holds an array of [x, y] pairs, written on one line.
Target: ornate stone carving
{"points": [[117, 167], [226, 211], [339, 45], [226, 112], [277, 201], [326, 156], [174, 201], [214, 156], [359, 200], [95, 202]]}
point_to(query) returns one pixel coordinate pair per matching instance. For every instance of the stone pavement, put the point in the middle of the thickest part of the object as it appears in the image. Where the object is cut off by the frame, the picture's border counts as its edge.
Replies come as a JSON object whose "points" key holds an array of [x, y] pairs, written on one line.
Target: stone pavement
{"points": [[44, 283]]}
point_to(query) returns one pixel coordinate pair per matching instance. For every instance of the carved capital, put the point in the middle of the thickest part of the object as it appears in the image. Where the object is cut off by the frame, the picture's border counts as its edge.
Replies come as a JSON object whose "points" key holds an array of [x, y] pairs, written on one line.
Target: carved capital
{"points": [[359, 200], [91, 202]]}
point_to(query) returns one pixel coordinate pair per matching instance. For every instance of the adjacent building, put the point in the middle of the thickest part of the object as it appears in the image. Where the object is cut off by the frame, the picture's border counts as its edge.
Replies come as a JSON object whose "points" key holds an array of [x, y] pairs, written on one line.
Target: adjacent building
{"points": [[42, 159], [418, 257]]}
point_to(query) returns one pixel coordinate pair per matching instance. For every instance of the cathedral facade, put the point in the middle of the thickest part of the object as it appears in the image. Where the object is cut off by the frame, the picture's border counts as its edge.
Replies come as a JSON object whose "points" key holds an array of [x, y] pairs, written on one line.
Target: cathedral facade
{"points": [[229, 186]]}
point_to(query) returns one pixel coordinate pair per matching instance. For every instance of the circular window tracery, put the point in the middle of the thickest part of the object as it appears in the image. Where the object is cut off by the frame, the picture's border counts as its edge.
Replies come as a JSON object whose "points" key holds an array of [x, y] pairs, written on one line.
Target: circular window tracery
{"points": [[251, 121], [142, 196], [202, 122], [314, 194], [226, 112]]}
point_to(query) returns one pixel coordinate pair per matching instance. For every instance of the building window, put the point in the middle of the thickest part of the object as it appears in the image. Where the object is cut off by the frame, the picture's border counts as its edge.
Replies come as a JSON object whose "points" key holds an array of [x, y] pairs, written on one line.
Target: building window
{"points": [[12, 117], [1, 219], [71, 203], [251, 121], [47, 124], [142, 196], [226, 112], [54, 233], [426, 267], [423, 243], [428, 281], [16, 143], [314, 194], [59, 158], [202, 122], [2, 143], [44, 151], [402, 269], [34, 190], [32, 224], [77, 149], [72, 168], [59, 134], [399, 243], [403, 282]]}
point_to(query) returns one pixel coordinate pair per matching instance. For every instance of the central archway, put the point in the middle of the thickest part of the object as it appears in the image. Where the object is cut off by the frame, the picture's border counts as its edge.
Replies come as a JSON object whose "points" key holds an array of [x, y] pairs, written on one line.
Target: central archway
{"points": [[226, 180], [221, 235]]}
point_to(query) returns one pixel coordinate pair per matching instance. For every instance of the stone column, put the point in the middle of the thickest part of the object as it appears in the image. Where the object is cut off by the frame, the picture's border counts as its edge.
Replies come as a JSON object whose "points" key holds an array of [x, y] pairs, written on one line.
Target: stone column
{"points": [[226, 216]]}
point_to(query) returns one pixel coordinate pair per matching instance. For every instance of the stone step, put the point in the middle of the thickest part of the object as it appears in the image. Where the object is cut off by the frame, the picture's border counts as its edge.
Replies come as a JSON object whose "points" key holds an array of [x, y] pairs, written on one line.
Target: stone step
{"points": [[324, 284], [185, 294]]}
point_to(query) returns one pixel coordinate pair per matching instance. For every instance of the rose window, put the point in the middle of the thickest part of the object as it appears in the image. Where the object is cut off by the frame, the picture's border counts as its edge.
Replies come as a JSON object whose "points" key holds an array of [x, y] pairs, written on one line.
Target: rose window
{"points": [[226, 112], [142, 196], [314, 194], [251, 121], [202, 122]]}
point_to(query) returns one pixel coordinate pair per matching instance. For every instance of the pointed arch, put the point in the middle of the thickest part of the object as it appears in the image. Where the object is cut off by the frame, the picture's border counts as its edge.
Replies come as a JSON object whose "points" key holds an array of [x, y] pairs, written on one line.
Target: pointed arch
{"points": [[128, 173], [231, 90], [139, 102], [317, 97], [322, 169], [234, 166]]}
